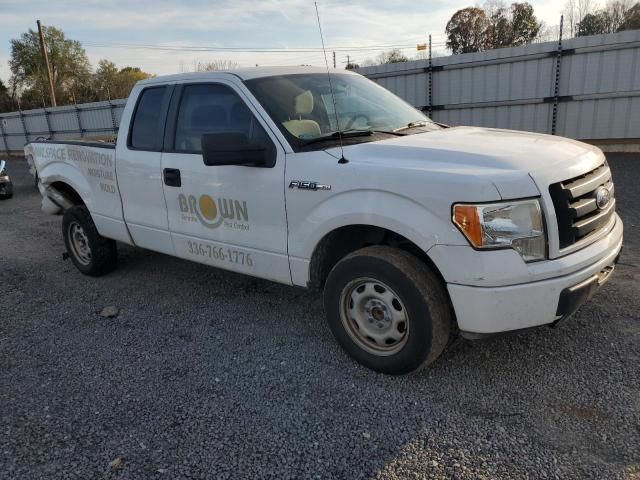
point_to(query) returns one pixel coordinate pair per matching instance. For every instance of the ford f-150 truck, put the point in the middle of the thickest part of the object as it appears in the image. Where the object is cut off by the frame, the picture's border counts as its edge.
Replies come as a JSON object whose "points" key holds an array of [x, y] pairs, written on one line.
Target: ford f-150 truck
{"points": [[414, 231]]}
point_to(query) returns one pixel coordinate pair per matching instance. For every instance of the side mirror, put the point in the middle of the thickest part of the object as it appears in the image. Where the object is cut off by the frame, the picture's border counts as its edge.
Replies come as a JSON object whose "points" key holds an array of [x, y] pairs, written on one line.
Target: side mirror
{"points": [[232, 149]]}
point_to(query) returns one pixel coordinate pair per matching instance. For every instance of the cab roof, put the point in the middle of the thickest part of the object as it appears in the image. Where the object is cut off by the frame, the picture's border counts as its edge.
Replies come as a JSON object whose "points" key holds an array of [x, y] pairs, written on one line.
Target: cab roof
{"points": [[242, 73]]}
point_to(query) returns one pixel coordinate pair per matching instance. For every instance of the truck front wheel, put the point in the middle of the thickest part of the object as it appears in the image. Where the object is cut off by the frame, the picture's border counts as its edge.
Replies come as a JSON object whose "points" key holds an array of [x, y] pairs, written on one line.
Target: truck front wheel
{"points": [[387, 309], [90, 252]]}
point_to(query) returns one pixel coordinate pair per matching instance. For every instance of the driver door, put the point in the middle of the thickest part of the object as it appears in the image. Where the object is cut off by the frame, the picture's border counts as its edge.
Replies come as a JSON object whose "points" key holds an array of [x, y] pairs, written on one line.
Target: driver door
{"points": [[229, 216]]}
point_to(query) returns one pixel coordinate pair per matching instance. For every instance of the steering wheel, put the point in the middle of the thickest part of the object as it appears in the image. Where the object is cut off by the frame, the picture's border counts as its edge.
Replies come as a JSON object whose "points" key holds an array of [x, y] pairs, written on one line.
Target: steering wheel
{"points": [[353, 119]]}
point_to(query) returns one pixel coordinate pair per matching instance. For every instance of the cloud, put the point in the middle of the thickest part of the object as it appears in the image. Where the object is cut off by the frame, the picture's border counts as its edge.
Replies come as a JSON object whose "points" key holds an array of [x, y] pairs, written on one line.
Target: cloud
{"points": [[240, 23]]}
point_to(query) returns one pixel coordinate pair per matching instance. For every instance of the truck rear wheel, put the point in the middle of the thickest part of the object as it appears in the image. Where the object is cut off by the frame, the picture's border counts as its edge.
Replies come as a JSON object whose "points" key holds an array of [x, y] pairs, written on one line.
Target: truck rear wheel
{"points": [[387, 309], [90, 252]]}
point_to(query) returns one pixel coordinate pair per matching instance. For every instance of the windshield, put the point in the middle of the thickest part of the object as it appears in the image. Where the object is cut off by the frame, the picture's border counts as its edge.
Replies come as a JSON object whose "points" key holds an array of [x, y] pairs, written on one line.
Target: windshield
{"points": [[302, 107]]}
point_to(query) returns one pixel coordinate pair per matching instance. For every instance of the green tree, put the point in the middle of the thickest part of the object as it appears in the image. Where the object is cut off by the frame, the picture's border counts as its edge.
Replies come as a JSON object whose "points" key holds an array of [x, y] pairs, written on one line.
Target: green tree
{"points": [[467, 30], [591, 24], [70, 66], [6, 102], [524, 24], [112, 83], [512, 27], [499, 32]]}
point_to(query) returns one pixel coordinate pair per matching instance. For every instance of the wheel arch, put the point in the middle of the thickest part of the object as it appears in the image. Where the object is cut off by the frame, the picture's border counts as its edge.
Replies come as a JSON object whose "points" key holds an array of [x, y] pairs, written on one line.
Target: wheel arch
{"points": [[68, 191], [68, 181], [341, 241]]}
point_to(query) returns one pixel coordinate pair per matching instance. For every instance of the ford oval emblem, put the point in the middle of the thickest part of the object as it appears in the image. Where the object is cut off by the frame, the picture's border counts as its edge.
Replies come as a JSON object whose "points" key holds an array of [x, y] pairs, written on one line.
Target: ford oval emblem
{"points": [[603, 197]]}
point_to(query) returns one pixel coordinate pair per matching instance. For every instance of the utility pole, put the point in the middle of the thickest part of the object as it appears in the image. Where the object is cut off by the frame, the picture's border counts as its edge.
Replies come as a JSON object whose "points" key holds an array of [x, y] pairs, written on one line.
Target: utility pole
{"points": [[43, 48], [430, 80], [334, 59]]}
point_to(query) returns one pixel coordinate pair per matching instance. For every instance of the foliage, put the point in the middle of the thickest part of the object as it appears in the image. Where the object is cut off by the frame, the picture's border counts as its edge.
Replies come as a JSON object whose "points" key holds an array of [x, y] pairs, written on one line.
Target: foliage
{"points": [[467, 30], [70, 66], [72, 74], [631, 19], [591, 24], [496, 26], [616, 16], [109, 82], [574, 11], [524, 24], [6, 102]]}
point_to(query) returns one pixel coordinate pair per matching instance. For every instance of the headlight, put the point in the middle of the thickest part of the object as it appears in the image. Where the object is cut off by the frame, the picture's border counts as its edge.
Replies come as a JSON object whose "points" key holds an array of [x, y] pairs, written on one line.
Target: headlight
{"points": [[518, 225]]}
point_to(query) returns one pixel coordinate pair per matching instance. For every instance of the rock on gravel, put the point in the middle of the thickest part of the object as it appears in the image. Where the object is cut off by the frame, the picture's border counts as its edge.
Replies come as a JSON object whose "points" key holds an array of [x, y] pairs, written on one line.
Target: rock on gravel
{"points": [[109, 312]]}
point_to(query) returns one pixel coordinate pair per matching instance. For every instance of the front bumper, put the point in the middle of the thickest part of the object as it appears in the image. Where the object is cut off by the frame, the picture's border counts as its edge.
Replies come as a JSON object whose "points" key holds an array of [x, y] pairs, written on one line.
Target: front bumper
{"points": [[487, 310]]}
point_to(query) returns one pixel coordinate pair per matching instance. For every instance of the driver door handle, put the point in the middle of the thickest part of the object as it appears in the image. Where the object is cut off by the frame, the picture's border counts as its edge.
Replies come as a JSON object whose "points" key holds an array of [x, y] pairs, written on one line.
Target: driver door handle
{"points": [[172, 177]]}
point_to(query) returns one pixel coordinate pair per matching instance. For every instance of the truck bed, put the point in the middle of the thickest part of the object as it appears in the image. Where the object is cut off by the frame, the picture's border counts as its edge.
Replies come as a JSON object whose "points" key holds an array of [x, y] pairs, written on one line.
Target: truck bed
{"points": [[87, 168]]}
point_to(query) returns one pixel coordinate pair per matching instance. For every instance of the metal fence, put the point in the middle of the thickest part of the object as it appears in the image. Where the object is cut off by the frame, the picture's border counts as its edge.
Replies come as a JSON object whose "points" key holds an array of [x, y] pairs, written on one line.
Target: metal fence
{"points": [[586, 88], [71, 121], [592, 83]]}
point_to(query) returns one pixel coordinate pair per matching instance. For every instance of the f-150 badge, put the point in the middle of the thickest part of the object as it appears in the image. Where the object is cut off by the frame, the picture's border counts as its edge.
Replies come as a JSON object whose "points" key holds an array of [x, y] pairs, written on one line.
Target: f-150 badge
{"points": [[304, 185]]}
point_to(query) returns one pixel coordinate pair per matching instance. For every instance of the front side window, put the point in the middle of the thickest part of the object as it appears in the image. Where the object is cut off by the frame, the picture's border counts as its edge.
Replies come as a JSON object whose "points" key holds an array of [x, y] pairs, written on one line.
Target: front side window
{"points": [[302, 106], [213, 108], [148, 120]]}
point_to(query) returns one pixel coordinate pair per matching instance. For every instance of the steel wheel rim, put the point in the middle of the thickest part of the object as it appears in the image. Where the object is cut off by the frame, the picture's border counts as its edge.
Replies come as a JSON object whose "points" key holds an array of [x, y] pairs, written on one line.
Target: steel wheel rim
{"points": [[374, 316], [79, 243]]}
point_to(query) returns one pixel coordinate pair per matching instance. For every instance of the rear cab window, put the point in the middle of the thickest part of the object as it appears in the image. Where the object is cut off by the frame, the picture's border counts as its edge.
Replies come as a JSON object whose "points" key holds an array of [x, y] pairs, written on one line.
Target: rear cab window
{"points": [[147, 126]]}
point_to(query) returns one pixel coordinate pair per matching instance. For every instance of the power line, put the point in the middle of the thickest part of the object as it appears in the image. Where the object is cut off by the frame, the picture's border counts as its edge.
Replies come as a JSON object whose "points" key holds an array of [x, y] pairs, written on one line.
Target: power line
{"points": [[195, 48]]}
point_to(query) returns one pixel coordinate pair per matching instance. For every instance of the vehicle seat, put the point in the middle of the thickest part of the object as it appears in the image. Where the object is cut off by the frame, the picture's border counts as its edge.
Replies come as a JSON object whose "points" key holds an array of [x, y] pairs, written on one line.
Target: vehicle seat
{"points": [[203, 119], [300, 127]]}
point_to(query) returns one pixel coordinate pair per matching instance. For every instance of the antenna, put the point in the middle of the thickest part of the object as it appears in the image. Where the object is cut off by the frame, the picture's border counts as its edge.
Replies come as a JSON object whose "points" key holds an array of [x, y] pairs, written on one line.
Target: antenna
{"points": [[333, 97]]}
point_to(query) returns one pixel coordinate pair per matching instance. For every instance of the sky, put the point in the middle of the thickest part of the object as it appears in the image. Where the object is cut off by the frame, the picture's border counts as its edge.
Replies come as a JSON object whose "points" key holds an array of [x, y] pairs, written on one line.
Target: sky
{"points": [[117, 30]]}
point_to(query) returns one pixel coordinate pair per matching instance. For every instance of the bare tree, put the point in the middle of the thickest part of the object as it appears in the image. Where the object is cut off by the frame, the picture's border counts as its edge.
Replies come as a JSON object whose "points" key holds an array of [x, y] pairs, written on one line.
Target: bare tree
{"points": [[576, 10], [216, 65], [493, 7], [614, 14], [392, 56], [198, 66]]}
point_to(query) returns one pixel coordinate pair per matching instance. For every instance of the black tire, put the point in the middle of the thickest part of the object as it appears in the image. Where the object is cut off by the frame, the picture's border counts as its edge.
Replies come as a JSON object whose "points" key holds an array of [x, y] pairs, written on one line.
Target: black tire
{"points": [[421, 296], [103, 254]]}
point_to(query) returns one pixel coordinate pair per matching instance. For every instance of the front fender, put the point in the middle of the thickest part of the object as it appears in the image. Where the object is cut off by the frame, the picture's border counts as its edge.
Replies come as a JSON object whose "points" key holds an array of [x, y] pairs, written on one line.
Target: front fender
{"points": [[394, 212]]}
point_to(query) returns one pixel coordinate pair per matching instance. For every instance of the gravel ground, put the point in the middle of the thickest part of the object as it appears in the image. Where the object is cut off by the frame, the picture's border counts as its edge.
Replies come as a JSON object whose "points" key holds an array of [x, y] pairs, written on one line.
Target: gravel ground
{"points": [[210, 374]]}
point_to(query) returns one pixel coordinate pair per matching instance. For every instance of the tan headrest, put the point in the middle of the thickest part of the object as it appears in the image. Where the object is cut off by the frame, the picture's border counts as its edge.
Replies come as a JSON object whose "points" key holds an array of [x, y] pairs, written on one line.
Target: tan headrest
{"points": [[304, 103]]}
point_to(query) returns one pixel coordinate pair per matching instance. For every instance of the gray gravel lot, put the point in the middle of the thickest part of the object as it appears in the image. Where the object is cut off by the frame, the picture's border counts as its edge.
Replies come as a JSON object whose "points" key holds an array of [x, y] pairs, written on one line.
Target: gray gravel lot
{"points": [[210, 374]]}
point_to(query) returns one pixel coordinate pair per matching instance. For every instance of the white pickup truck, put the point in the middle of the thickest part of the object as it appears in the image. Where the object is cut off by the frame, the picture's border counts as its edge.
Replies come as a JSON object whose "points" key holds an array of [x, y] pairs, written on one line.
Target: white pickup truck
{"points": [[414, 231]]}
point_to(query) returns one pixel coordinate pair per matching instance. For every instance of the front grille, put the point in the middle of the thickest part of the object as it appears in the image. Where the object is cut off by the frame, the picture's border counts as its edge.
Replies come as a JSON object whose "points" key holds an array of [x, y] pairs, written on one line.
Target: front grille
{"points": [[577, 210]]}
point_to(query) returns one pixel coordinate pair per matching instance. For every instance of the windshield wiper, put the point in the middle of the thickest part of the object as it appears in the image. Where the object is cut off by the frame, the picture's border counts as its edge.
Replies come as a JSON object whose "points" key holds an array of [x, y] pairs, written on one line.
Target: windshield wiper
{"points": [[417, 123], [349, 134]]}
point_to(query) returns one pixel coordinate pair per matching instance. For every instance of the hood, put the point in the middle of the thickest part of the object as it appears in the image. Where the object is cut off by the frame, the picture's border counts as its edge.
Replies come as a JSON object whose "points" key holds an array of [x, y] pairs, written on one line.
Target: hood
{"points": [[511, 160]]}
